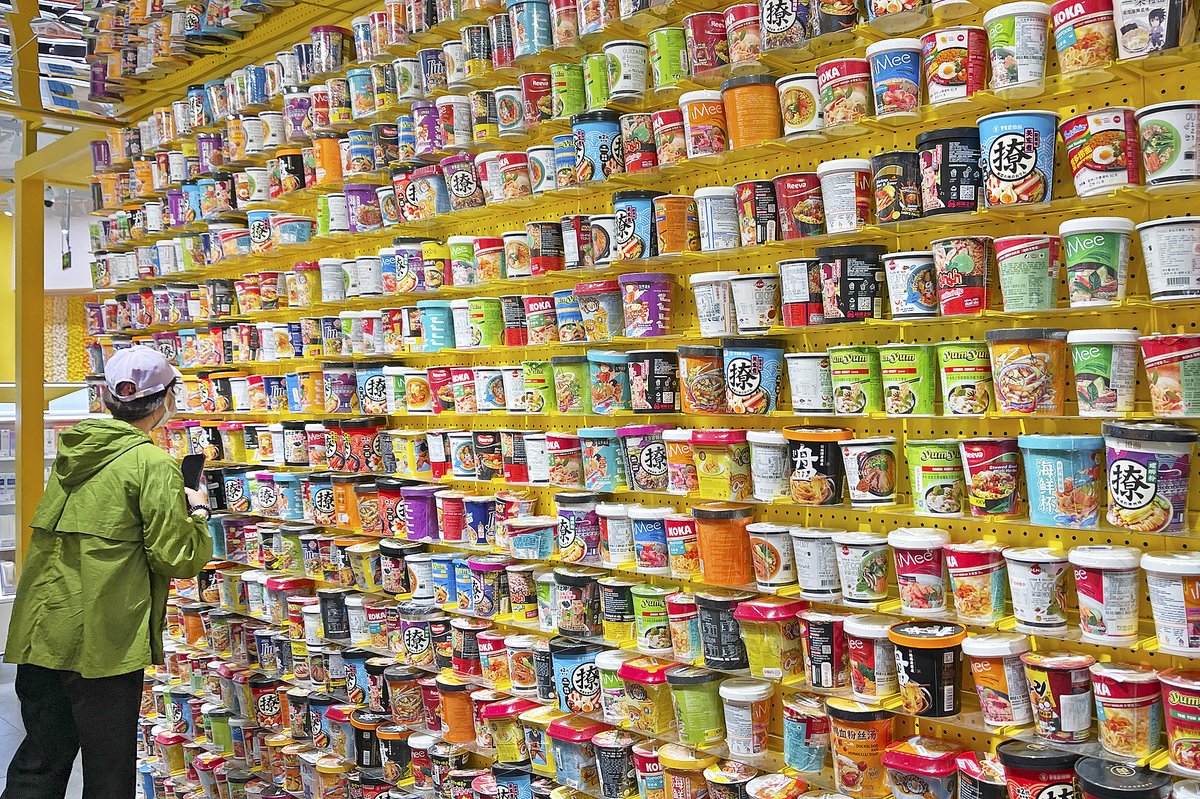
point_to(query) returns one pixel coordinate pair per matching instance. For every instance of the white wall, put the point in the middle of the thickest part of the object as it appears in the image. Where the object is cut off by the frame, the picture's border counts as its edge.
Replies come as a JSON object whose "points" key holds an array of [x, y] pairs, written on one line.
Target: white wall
{"points": [[79, 277]]}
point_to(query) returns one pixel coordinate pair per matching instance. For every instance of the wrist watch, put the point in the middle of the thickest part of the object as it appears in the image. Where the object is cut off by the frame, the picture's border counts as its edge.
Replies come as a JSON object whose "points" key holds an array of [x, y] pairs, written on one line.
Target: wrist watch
{"points": [[199, 510]]}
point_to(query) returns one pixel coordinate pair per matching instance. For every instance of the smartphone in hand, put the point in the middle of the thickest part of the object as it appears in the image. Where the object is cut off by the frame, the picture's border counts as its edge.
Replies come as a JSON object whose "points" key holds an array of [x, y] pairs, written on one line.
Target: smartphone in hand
{"points": [[193, 470]]}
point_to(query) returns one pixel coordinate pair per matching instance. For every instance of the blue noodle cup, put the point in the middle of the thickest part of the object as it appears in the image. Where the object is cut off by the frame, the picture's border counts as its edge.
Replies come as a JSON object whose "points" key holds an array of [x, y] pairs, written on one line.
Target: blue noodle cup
{"points": [[1018, 157], [570, 318], [480, 512], [603, 462], [609, 373], [437, 326], [752, 369], [1062, 478], [634, 223]]}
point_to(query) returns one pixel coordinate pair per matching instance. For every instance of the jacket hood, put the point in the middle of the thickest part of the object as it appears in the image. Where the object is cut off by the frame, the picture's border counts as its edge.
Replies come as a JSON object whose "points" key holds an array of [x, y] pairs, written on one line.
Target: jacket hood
{"points": [[86, 448]]}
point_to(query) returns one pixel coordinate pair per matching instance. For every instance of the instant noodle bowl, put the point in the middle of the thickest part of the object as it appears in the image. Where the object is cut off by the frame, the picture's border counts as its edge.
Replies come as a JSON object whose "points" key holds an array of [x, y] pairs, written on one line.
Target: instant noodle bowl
{"points": [[1018, 156], [747, 715], [728, 779], [722, 459], [872, 657], [668, 57], [722, 531], [755, 301], [844, 87], [870, 465], [1029, 370], [966, 377], [752, 114], [816, 563], [650, 618], [771, 632], [1062, 479], [752, 374], [1060, 691], [1097, 258], [912, 286], [1169, 249], [1085, 38], [1029, 269], [800, 102], [1103, 779], [676, 224], [702, 380], [574, 754], [896, 180], [1171, 578], [920, 569], [1037, 579], [981, 775], [859, 734], [935, 476], [1180, 692], [704, 125], [683, 546], [1016, 36], [856, 380], [921, 767], [647, 702], [1171, 368], [928, 665], [805, 733], [800, 210], [647, 303], [810, 381], [999, 675], [850, 279], [1168, 138], [683, 770], [951, 178], [1035, 769], [818, 471], [1128, 708], [756, 212], [862, 564], [978, 581], [653, 380], [683, 617], [1149, 469], [1102, 150], [962, 265], [908, 379], [601, 308], [713, 294], [955, 63], [845, 194]]}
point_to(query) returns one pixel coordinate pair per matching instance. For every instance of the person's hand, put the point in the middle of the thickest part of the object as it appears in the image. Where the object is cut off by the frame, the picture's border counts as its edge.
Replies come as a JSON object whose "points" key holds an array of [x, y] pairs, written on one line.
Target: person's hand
{"points": [[196, 496]]}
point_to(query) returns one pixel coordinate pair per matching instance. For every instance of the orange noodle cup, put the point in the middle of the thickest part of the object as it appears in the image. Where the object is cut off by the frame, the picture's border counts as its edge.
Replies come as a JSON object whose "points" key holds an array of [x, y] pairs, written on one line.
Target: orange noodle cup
{"points": [[859, 733], [999, 675], [1029, 370]]}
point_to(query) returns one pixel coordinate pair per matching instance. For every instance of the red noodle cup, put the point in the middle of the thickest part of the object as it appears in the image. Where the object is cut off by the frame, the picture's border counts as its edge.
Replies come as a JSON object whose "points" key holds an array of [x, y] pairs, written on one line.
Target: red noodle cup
{"points": [[872, 657], [844, 85], [707, 43], [1036, 770], [1128, 708], [1084, 35], [799, 205], [1102, 150], [962, 265], [955, 63], [1108, 584], [992, 472], [1060, 691], [1173, 368], [1181, 697], [977, 580], [920, 569]]}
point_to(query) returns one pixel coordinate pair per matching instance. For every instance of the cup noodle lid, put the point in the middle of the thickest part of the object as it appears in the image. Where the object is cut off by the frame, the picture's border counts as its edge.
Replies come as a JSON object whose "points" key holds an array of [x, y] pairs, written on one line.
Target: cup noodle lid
{"points": [[1104, 556], [1065, 661], [702, 278], [815, 533], [843, 165], [1125, 672], [847, 538], [740, 689], [1095, 224], [1178, 563], [769, 609], [1118, 336], [917, 538], [920, 755], [866, 625], [992, 645], [1013, 9], [767, 437], [892, 45], [1035, 555]]}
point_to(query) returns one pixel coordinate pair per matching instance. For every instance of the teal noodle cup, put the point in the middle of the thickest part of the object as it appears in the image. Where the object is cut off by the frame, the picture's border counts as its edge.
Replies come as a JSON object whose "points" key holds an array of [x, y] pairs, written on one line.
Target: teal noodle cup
{"points": [[752, 369], [1062, 479], [1018, 157]]}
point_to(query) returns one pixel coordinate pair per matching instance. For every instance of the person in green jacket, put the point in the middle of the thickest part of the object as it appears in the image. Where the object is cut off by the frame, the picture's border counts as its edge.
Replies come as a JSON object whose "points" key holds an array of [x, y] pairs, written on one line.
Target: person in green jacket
{"points": [[113, 527]]}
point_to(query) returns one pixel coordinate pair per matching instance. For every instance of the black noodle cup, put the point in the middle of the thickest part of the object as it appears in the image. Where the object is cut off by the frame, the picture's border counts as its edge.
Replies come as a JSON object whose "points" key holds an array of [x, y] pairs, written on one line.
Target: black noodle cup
{"points": [[818, 471], [929, 666]]}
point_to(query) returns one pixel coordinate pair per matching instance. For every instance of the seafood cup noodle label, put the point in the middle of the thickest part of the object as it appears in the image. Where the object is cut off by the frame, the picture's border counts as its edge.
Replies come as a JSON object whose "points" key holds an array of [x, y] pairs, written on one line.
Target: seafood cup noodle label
{"points": [[1147, 491], [1096, 267], [1108, 601], [1175, 600]]}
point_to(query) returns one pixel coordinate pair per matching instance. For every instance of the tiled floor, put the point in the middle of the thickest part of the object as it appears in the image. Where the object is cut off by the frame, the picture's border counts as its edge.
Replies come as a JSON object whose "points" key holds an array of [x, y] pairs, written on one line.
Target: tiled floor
{"points": [[12, 731]]}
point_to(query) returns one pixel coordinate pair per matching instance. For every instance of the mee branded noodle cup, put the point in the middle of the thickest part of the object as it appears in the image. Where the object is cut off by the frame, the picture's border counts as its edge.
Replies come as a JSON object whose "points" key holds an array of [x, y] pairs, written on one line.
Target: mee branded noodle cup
{"points": [[1173, 369], [908, 377], [977, 580], [1108, 586], [962, 266], [1102, 150], [1037, 581], [1084, 35], [896, 77], [1016, 34], [928, 666], [1097, 259], [1128, 708], [1149, 469], [1105, 365], [818, 473], [935, 476], [920, 569], [858, 735], [870, 470], [1029, 370], [965, 372], [872, 657], [1060, 691], [1018, 157], [999, 677], [990, 468], [911, 284], [862, 561], [1029, 268], [955, 63], [1062, 479]]}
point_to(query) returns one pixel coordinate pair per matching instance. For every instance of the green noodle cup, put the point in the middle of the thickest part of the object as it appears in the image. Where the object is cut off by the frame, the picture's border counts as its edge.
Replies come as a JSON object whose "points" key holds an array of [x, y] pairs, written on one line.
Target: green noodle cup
{"points": [[697, 704], [935, 476], [856, 379], [650, 617], [965, 368], [907, 374], [1097, 258]]}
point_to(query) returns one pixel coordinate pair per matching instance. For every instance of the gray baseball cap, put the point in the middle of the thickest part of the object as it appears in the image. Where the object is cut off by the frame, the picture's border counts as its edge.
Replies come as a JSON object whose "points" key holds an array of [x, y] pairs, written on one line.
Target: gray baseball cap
{"points": [[137, 372]]}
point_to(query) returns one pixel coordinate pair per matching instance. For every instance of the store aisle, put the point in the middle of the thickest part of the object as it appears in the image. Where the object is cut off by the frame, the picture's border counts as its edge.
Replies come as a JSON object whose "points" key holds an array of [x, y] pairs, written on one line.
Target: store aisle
{"points": [[11, 731]]}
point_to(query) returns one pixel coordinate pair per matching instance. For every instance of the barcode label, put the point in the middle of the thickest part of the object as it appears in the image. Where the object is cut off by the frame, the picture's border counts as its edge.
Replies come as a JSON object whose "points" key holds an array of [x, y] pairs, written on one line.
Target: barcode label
{"points": [[1179, 281]]}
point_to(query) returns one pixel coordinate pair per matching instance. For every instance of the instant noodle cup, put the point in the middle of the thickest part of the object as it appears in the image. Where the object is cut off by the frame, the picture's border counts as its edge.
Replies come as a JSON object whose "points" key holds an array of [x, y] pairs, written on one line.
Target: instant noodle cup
{"points": [[771, 632], [1167, 133], [1016, 34], [845, 194], [1037, 581], [1097, 258], [574, 753], [698, 714], [508, 736], [683, 769], [747, 715], [800, 104], [752, 374], [614, 758], [849, 281], [1181, 693], [1128, 708], [755, 302], [859, 734], [871, 470], [844, 87], [818, 472], [810, 381], [1102, 150], [1060, 691], [911, 284], [1062, 479], [771, 553], [955, 63], [872, 657], [862, 564], [908, 377], [991, 473], [646, 299], [965, 369], [805, 733], [856, 379], [1032, 769], [1149, 468], [647, 695], [826, 661], [1104, 364], [999, 675], [1173, 579], [676, 224], [729, 778], [702, 380], [1029, 370], [1029, 268], [768, 465], [1018, 156], [1104, 778], [752, 112], [920, 569], [921, 767], [713, 293], [1172, 369], [928, 666], [776, 786], [816, 563], [704, 124], [1169, 249], [962, 266], [935, 476], [978, 581], [1085, 37], [980, 774]]}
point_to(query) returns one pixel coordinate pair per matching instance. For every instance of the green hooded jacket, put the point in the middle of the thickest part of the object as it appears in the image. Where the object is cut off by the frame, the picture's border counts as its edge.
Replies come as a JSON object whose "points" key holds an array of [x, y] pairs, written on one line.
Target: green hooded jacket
{"points": [[110, 532]]}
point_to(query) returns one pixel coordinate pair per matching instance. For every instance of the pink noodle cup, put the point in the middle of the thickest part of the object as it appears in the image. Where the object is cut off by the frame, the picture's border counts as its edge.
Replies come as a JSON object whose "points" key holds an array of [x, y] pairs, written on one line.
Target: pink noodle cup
{"points": [[1128, 708], [978, 580], [920, 569]]}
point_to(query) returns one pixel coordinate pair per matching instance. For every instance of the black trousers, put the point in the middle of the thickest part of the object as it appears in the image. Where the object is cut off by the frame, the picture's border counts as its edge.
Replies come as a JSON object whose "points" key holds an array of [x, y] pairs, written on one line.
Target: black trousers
{"points": [[65, 714]]}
